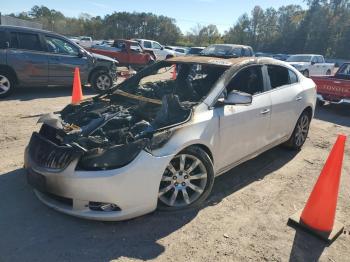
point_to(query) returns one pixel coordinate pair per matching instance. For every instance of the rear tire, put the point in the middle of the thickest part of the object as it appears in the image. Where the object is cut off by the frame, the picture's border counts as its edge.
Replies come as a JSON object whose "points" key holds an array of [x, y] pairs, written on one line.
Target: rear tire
{"points": [[7, 84], [186, 185], [300, 132], [306, 73], [329, 72], [101, 81]]}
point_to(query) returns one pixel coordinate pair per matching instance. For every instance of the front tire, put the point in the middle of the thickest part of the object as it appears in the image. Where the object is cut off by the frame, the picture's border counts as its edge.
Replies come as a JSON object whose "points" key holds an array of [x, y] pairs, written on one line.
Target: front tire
{"points": [[7, 84], [101, 81], [300, 132], [187, 181]]}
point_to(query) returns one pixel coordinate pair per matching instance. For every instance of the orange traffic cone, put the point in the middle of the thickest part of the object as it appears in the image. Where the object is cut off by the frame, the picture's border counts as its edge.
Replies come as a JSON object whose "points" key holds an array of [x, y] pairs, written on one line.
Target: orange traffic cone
{"points": [[174, 73], [77, 94], [319, 212]]}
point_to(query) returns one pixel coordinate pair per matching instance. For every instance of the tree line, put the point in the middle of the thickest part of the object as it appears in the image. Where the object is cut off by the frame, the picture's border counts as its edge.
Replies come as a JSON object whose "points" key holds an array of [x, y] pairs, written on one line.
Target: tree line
{"points": [[323, 27]]}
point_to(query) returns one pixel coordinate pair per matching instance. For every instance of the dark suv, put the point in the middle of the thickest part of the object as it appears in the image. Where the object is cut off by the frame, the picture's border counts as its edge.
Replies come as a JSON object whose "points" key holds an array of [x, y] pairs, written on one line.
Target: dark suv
{"points": [[31, 57]]}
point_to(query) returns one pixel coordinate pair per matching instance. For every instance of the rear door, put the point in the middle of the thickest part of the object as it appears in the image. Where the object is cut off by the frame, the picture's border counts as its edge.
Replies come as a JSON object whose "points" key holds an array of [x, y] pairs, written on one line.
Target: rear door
{"points": [[28, 58], [63, 57], [286, 98], [3, 47]]}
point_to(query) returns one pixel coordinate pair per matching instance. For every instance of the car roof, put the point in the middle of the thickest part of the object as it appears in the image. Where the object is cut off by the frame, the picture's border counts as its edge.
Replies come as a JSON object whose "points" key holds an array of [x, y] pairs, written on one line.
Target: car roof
{"points": [[224, 62], [232, 45], [307, 55], [128, 41]]}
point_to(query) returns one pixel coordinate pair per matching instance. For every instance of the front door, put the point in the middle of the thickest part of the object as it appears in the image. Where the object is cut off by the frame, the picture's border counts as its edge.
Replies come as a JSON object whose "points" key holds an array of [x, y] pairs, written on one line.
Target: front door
{"points": [[244, 128], [63, 58]]}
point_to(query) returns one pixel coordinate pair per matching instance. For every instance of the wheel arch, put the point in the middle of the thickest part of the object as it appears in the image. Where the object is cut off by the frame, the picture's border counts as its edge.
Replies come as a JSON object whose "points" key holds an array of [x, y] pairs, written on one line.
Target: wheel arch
{"points": [[96, 69], [204, 148], [10, 70], [309, 111]]}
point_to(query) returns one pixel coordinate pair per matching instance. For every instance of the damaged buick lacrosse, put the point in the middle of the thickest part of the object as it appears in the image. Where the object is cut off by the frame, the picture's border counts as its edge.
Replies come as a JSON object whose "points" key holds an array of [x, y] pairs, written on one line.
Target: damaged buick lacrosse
{"points": [[159, 139]]}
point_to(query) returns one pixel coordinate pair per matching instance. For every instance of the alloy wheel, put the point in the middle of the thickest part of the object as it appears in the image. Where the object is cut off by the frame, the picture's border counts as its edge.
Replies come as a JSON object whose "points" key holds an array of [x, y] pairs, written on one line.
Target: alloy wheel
{"points": [[302, 130], [103, 82], [183, 181], [5, 84]]}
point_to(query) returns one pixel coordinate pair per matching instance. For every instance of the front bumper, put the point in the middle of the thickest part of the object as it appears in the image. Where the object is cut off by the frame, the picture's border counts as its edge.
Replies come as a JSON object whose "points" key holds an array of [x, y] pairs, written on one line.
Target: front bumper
{"points": [[336, 101], [133, 188]]}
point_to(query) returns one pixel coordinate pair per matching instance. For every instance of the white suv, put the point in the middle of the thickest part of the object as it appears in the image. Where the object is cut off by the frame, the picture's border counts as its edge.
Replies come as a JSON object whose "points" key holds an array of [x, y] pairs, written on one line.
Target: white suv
{"points": [[159, 51]]}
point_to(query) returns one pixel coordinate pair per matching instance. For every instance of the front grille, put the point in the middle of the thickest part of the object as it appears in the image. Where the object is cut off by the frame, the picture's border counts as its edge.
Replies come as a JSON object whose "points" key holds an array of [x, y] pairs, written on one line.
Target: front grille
{"points": [[46, 154]]}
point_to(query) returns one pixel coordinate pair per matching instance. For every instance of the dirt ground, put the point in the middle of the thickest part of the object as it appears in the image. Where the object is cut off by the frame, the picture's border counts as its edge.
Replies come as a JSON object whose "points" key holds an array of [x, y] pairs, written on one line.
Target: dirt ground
{"points": [[243, 220]]}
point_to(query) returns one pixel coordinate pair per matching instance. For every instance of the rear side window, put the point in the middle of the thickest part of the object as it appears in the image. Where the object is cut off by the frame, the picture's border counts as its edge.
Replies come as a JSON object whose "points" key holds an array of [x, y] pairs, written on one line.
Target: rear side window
{"points": [[25, 41], [293, 78], [279, 76], [3, 39], [147, 44]]}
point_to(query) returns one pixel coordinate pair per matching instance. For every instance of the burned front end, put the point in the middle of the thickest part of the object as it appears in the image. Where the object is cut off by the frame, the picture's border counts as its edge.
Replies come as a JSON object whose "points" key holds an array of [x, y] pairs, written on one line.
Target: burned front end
{"points": [[105, 132], [108, 131], [100, 159]]}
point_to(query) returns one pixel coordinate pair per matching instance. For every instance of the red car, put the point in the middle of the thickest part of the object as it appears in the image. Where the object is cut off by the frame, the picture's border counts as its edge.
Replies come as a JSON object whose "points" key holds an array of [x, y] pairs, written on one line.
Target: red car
{"points": [[334, 89], [127, 52]]}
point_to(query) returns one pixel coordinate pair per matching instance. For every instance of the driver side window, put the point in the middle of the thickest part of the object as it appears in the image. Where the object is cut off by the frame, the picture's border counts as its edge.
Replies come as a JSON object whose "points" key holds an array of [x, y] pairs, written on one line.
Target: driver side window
{"points": [[248, 80], [59, 46]]}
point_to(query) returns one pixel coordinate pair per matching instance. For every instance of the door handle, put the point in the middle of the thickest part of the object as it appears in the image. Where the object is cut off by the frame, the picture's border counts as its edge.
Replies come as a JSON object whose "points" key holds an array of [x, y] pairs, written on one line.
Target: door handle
{"points": [[336, 82], [299, 98], [265, 111]]}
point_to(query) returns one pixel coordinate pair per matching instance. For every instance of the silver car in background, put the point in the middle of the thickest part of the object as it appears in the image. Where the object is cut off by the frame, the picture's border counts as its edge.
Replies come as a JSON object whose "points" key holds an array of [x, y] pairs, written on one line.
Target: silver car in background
{"points": [[159, 140]]}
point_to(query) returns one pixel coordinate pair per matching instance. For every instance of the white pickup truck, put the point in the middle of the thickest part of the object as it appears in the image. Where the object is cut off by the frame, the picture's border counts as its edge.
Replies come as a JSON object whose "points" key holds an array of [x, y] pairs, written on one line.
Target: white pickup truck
{"points": [[157, 49], [311, 65]]}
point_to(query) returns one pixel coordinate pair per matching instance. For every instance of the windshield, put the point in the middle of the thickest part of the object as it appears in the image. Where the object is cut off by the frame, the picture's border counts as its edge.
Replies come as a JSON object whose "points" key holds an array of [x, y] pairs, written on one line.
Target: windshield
{"points": [[195, 51], [222, 51], [344, 70], [299, 58], [190, 83]]}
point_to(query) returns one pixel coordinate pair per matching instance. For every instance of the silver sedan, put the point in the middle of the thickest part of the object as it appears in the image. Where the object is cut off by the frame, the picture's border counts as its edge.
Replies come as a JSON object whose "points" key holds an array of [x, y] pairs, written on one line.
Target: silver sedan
{"points": [[160, 138]]}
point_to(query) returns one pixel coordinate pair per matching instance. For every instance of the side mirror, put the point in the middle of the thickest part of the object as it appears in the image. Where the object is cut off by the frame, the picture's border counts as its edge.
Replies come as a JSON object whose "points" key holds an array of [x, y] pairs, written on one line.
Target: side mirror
{"points": [[236, 98], [313, 62], [162, 48], [80, 53]]}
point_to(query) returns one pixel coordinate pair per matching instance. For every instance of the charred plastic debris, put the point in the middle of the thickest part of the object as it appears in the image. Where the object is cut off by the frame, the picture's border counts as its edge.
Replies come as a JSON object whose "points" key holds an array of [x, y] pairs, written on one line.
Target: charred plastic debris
{"points": [[109, 130]]}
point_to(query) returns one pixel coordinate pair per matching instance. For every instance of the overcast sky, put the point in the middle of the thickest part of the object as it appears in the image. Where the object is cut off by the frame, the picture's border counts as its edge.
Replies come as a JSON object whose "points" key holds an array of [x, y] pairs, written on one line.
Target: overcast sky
{"points": [[187, 13]]}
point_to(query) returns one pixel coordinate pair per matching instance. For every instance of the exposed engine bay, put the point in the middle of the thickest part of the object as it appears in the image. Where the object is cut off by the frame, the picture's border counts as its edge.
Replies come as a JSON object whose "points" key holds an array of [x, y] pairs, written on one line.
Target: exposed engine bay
{"points": [[111, 129]]}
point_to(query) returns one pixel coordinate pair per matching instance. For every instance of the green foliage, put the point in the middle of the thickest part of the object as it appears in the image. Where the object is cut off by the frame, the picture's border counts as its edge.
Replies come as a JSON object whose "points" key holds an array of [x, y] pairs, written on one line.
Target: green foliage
{"points": [[323, 28]]}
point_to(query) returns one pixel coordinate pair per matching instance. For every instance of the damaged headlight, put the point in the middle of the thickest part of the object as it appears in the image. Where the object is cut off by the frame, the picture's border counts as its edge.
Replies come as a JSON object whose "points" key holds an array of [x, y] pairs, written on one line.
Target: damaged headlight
{"points": [[159, 139], [113, 157]]}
